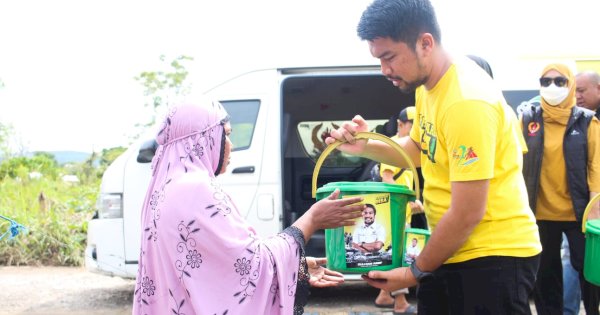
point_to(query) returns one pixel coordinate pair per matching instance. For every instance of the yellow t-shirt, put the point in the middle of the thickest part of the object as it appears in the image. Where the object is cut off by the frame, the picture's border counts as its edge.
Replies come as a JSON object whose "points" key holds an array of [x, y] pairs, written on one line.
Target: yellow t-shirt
{"points": [[468, 132], [406, 179], [554, 200]]}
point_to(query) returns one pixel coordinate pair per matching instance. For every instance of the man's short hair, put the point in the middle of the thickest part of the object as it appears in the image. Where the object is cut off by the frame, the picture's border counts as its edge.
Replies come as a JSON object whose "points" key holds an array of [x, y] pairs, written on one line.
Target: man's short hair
{"points": [[401, 20], [372, 207], [592, 75]]}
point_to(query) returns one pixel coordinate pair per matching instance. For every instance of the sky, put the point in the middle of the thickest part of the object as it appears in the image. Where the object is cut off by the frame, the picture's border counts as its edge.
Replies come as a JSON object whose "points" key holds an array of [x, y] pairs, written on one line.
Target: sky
{"points": [[67, 66]]}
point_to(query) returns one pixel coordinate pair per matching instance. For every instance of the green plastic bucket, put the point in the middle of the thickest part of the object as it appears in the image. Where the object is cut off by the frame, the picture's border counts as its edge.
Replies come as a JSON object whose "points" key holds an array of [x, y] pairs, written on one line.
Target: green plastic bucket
{"points": [[343, 247], [591, 229], [414, 241], [356, 249]]}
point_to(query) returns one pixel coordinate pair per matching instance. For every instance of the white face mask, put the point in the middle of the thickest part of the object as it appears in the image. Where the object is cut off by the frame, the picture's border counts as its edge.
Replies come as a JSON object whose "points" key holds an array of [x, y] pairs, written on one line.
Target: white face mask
{"points": [[554, 95]]}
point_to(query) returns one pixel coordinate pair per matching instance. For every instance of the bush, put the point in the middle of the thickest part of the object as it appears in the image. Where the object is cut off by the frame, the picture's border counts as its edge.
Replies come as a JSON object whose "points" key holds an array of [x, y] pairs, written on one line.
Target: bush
{"points": [[54, 212], [56, 216]]}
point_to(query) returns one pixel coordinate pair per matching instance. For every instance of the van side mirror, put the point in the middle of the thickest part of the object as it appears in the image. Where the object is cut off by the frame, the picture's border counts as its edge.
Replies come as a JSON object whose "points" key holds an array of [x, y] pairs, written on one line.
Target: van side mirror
{"points": [[147, 150]]}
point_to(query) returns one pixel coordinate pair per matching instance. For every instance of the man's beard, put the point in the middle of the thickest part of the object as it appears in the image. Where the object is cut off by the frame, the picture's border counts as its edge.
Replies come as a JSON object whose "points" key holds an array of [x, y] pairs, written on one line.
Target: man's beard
{"points": [[410, 87]]}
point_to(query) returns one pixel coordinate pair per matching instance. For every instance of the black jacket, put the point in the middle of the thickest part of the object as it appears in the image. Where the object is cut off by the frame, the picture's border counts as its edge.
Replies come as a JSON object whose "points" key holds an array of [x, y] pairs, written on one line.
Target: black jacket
{"points": [[575, 152]]}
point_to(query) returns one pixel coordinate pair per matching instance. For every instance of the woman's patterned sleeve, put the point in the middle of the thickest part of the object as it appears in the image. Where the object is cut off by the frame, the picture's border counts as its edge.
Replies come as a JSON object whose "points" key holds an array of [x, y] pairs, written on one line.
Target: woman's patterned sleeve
{"points": [[303, 286]]}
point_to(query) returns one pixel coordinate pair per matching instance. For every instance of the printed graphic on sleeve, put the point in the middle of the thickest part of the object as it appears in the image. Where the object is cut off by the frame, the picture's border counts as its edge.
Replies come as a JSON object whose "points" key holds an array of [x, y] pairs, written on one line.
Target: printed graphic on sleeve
{"points": [[464, 156]]}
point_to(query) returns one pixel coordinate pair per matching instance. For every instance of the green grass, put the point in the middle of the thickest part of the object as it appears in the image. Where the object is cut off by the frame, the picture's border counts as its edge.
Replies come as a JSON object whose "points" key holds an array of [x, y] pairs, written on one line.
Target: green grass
{"points": [[55, 214]]}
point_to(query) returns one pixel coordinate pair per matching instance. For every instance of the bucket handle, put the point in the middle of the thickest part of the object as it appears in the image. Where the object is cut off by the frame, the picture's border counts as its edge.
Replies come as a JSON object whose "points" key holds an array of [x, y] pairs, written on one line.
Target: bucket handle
{"points": [[367, 135], [587, 210]]}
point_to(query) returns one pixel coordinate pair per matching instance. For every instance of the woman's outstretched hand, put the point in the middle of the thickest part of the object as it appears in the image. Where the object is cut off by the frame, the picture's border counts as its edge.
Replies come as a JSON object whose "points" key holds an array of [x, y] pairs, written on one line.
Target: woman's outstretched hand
{"points": [[332, 212], [320, 276], [329, 213]]}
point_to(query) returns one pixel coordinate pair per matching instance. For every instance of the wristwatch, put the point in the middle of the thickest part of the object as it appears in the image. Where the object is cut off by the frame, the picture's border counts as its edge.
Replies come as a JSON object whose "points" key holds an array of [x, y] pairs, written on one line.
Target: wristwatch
{"points": [[421, 276]]}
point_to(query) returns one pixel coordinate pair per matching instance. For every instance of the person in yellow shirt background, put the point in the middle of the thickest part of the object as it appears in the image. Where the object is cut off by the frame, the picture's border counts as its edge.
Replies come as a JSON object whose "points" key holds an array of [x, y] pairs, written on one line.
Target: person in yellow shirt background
{"points": [[401, 176], [562, 173], [392, 174]]}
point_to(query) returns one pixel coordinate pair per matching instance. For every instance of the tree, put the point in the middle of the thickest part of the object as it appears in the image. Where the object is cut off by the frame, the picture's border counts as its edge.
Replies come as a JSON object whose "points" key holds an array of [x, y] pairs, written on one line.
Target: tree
{"points": [[92, 169], [107, 156], [161, 86], [6, 133], [20, 167]]}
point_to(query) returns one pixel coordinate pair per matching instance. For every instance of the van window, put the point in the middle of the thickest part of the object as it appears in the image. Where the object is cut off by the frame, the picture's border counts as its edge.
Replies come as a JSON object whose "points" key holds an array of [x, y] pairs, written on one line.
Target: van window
{"points": [[243, 115], [312, 134]]}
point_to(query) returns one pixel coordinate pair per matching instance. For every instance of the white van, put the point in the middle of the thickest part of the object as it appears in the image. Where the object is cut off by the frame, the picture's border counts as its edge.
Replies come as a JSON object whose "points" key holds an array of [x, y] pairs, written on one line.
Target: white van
{"points": [[279, 118]]}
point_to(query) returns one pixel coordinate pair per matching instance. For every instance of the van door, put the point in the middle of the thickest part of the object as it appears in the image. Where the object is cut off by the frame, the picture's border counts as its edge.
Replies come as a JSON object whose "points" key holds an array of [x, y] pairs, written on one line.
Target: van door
{"points": [[242, 174], [256, 194]]}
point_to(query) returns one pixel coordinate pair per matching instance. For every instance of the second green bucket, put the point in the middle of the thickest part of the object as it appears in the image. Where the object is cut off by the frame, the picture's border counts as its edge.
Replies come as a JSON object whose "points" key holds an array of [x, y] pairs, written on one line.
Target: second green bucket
{"points": [[591, 229]]}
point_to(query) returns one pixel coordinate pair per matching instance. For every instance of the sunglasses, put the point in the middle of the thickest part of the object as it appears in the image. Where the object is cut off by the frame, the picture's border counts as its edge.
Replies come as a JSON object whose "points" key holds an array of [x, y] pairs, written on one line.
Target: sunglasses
{"points": [[558, 81]]}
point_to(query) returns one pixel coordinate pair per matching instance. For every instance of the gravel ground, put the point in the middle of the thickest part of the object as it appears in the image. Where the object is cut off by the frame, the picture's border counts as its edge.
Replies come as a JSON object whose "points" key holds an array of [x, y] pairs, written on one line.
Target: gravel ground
{"points": [[64, 290], [72, 291]]}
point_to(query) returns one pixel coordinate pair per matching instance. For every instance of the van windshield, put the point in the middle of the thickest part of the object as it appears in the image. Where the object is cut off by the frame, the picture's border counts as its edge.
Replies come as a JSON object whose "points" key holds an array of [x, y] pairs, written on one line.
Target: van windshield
{"points": [[312, 135]]}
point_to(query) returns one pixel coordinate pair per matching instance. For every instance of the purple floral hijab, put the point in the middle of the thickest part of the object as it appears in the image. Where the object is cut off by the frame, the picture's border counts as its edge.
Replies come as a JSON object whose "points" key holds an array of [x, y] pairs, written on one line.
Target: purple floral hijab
{"points": [[198, 254]]}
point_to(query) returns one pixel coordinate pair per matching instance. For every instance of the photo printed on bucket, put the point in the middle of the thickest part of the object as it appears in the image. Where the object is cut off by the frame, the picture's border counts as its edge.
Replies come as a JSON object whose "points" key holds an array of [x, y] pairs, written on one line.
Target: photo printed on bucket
{"points": [[368, 242]]}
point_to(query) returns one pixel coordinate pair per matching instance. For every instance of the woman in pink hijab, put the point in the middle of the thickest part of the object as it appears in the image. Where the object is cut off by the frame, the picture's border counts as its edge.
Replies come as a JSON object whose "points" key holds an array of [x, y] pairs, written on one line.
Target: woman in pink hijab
{"points": [[198, 254]]}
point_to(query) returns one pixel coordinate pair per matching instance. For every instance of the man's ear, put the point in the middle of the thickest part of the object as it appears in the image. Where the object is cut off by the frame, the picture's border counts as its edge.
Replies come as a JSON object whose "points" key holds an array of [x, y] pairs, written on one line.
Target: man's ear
{"points": [[425, 43]]}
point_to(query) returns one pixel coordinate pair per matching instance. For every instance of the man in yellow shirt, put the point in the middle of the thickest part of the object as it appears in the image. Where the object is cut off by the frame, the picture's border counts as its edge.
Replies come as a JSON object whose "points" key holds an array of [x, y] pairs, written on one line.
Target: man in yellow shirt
{"points": [[483, 253], [562, 174]]}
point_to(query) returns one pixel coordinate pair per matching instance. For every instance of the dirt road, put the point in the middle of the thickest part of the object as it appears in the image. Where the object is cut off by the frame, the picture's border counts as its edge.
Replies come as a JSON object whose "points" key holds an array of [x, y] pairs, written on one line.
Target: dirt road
{"points": [[61, 291], [58, 290], [74, 291]]}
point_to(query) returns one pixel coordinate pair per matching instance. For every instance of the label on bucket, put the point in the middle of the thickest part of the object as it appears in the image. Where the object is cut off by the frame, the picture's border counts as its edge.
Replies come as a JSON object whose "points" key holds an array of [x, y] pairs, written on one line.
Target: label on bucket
{"points": [[368, 242]]}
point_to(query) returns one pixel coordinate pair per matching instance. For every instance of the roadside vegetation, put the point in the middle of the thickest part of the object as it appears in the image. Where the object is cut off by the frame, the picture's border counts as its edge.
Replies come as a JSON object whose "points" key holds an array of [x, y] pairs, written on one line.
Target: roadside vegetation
{"points": [[54, 202]]}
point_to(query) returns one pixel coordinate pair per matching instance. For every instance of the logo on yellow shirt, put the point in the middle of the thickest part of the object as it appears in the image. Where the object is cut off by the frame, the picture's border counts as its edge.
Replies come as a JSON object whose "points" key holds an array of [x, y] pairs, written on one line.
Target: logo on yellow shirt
{"points": [[464, 155], [428, 138], [533, 127]]}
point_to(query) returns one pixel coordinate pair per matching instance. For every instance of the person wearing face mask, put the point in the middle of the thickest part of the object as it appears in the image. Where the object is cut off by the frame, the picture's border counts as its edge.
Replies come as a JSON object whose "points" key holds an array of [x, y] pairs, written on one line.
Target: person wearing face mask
{"points": [[562, 173]]}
